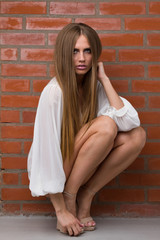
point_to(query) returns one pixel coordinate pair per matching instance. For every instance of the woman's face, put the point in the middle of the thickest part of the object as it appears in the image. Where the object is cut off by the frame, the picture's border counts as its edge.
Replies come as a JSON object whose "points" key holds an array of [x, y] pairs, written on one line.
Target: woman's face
{"points": [[82, 56]]}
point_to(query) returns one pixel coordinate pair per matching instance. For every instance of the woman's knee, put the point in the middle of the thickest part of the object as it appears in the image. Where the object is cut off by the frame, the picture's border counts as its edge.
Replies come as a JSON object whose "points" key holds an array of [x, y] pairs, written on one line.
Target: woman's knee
{"points": [[103, 132], [103, 129], [106, 127], [136, 138], [139, 137]]}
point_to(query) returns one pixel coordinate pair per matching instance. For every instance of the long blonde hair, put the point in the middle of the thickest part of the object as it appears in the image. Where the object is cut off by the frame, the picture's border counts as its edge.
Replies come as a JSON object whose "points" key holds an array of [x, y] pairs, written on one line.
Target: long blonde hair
{"points": [[66, 77]]}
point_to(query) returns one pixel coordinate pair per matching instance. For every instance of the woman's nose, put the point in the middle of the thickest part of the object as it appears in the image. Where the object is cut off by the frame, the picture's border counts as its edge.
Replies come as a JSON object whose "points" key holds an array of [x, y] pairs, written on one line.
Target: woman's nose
{"points": [[81, 56]]}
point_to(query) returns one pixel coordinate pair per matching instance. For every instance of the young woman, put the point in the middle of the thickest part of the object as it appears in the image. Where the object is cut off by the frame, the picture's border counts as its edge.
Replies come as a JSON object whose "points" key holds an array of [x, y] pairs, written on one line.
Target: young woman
{"points": [[84, 133]]}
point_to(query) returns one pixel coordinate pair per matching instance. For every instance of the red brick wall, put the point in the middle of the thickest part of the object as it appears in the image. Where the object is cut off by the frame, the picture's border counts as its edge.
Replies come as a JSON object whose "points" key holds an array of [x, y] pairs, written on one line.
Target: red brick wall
{"points": [[130, 34]]}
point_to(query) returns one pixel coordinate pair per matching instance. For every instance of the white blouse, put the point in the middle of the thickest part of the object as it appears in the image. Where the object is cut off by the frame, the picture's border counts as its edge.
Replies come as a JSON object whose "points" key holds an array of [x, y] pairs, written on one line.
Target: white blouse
{"points": [[45, 164]]}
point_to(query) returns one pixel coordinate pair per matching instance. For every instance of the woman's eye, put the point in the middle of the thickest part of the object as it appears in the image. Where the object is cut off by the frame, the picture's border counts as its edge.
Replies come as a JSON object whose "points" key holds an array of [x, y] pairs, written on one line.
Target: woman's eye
{"points": [[88, 50], [75, 51]]}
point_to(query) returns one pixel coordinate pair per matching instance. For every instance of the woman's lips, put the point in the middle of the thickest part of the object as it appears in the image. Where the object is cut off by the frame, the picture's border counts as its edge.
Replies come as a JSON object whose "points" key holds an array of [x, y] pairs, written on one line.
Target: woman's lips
{"points": [[81, 67]]}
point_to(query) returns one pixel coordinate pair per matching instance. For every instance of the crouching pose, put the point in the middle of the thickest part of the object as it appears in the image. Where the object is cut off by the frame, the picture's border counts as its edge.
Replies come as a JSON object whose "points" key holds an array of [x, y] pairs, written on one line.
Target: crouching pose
{"points": [[84, 133]]}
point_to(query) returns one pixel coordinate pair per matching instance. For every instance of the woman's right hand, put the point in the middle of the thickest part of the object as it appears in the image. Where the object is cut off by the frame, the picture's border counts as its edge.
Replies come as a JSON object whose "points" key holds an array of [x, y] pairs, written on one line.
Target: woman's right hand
{"points": [[102, 77], [68, 223]]}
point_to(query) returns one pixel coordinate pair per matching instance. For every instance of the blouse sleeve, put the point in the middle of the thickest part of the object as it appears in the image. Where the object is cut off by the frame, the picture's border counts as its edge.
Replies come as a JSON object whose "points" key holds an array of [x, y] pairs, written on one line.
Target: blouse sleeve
{"points": [[45, 165], [125, 118]]}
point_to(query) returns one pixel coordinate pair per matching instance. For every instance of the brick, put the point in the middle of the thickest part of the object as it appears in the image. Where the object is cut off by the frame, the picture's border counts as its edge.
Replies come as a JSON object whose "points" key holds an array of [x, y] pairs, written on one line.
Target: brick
{"points": [[154, 71], [120, 85], [10, 147], [139, 210], [37, 54], [145, 86], [11, 208], [103, 210], [153, 132], [14, 194], [154, 7], [24, 70], [137, 79], [150, 117], [125, 70], [124, 8], [46, 23], [154, 164], [72, 8], [136, 55], [139, 179], [8, 116], [17, 132], [108, 55], [19, 101], [112, 183], [38, 85], [52, 39], [142, 23], [29, 116], [138, 164], [101, 23], [153, 39], [14, 163], [151, 148], [15, 85], [122, 195], [10, 23], [9, 54], [154, 101], [27, 146], [122, 39], [136, 101], [23, 39], [37, 208], [51, 70], [154, 195], [19, 7], [24, 179], [10, 178]]}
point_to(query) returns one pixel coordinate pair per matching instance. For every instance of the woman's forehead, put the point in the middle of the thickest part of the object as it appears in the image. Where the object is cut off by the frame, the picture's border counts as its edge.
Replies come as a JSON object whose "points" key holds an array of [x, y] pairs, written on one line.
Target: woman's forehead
{"points": [[82, 41]]}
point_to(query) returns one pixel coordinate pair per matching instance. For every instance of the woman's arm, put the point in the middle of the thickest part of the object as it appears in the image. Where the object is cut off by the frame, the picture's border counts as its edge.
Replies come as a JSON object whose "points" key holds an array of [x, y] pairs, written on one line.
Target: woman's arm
{"points": [[45, 164], [114, 99], [114, 106]]}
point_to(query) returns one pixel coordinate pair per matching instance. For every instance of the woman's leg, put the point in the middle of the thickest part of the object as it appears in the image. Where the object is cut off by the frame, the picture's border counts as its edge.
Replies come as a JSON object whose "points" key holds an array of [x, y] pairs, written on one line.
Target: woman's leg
{"points": [[126, 148], [91, 148]]}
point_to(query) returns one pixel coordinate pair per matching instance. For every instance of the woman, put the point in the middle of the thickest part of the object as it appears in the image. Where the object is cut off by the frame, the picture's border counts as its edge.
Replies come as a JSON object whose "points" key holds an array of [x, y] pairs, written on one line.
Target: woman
{"points": [[84, 134]]}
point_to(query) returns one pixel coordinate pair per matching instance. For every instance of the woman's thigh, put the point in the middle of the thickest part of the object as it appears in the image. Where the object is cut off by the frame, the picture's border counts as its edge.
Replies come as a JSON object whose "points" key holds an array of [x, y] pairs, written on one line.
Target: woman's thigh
{"points": [[133, 142], [136, 138], [102, 125]]}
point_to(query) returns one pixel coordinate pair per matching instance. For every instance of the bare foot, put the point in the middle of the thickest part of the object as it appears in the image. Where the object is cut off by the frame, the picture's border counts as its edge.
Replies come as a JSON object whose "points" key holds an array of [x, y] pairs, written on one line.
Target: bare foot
{"points": [[84, 200]]}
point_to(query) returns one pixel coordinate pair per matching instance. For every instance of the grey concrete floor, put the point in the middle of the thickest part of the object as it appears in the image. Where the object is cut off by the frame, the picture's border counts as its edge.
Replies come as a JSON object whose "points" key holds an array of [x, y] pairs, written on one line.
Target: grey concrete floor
{"points": [[44, 228]]}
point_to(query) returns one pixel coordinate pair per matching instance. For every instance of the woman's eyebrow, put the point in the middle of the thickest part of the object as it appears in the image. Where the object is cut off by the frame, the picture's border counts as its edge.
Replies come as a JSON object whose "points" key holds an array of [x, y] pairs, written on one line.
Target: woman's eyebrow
{"points": [[77, 49]]}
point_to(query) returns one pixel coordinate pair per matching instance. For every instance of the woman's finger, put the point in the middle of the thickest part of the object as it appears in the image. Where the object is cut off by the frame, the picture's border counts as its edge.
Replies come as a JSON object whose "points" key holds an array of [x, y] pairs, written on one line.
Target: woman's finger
{"points": [[70, 231], [76, 229]]}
